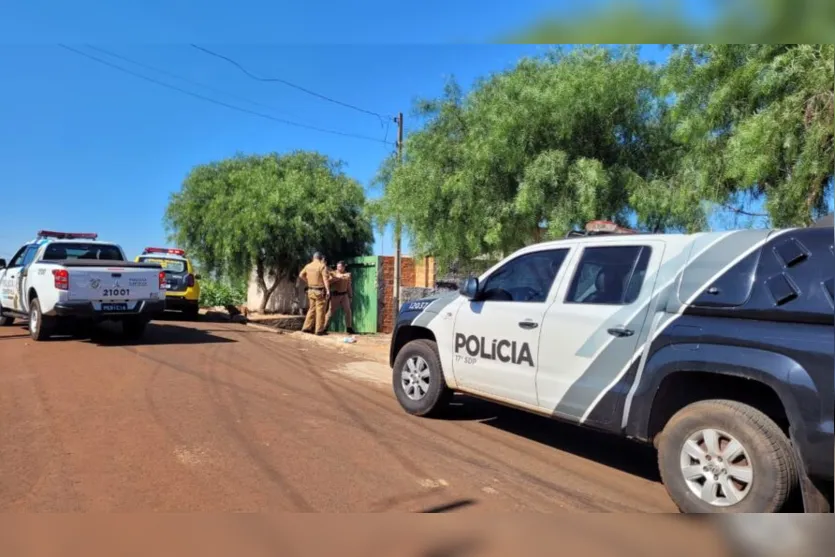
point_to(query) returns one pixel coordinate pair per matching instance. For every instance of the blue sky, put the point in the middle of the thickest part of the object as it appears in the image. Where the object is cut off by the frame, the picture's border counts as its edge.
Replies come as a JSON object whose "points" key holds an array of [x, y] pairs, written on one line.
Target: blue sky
{"points": [[84, 147]]}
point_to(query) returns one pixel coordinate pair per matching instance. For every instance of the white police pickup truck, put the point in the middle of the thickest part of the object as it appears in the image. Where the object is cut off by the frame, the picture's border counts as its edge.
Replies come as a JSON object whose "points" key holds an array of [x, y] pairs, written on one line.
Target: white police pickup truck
{"points": [[60, 276], [715, 347]]}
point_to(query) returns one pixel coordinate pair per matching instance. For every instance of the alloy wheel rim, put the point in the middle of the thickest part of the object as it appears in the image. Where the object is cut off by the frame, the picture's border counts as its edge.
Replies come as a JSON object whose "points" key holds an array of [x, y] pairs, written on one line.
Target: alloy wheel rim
{"points": [[716, 467], [414, 378]]}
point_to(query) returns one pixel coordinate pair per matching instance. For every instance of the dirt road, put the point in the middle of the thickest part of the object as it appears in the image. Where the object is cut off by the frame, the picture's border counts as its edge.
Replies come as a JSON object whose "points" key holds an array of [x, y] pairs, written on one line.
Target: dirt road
{"points": [[225, 417]]}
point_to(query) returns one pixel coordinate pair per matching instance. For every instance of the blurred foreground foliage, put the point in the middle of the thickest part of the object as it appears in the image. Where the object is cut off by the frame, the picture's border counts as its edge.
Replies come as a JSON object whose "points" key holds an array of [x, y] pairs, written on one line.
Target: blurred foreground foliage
{"points": [[676, 21]]}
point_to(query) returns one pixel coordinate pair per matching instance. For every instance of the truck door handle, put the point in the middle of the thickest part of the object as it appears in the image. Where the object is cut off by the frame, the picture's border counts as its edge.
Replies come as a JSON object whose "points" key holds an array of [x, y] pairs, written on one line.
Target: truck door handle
{"points": [[528, 324], [620, 332]]}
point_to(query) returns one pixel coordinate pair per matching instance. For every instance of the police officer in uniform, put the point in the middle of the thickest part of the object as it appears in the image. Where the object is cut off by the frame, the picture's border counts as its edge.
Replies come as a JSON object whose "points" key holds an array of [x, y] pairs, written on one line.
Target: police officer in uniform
{"points": [[315, 276], [342, 293]]}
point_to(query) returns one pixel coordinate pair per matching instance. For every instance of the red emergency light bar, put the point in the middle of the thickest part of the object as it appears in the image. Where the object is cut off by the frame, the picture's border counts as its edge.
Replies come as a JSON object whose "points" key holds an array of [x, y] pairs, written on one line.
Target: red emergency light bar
{"points": [[607, 226], [67, 235], [173, 251]]}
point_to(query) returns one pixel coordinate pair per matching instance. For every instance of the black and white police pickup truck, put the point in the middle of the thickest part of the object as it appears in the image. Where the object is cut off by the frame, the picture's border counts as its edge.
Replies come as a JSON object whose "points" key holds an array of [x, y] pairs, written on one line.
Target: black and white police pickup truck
{"points": [[61, 276], [715, 347]]}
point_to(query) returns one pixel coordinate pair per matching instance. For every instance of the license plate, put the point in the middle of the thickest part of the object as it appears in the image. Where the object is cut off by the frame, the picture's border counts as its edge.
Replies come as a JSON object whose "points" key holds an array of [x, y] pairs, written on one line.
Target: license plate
{"points": [[114, 307]]}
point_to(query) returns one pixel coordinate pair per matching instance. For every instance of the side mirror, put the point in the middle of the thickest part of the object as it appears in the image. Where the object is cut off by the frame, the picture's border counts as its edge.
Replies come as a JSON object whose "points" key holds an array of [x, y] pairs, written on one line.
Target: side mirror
{"points": [[2, 263], [469, 288], [197, 277]]}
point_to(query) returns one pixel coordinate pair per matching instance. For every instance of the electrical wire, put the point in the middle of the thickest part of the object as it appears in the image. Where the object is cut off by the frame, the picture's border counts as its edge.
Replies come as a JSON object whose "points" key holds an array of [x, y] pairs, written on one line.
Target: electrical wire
{"points": [[289, 84], [177, 76], [221, 103]]}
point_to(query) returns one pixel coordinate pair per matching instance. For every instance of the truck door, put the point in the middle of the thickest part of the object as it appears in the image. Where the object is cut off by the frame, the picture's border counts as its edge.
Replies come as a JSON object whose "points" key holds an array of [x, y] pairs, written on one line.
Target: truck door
{"points": [[23, 279], [496, 338], [10, 283], [590, 334]]}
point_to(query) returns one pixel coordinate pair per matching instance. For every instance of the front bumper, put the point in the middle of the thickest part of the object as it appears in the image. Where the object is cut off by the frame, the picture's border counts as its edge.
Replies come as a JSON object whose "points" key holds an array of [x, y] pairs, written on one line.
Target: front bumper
{"points": [[91, 310]]}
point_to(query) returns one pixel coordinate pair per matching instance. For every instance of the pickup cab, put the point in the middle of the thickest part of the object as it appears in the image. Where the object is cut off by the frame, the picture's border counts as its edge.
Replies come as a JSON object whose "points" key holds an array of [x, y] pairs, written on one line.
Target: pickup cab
{"points": [[62, 277], [717, 348]]}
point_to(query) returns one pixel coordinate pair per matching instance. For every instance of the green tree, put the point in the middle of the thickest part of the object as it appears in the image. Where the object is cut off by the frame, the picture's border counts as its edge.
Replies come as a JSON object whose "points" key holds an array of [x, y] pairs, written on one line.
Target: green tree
{"points": [[529, 153], [756, 122], [270, 213]]}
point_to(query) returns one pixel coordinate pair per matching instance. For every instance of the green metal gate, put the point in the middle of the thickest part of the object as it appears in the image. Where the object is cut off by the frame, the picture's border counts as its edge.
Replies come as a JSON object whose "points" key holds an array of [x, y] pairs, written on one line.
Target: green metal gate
{"points": [[364, 305]]}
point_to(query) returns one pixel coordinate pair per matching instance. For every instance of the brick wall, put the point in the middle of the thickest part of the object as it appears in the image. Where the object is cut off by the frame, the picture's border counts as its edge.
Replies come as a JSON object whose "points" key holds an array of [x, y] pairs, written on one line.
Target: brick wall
{"points": [[425, 272], [385, 315]]}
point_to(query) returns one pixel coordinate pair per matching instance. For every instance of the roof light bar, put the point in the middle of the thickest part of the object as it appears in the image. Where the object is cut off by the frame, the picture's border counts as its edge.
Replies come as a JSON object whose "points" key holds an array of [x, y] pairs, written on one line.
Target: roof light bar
{"points": [[173, 251], [67, 235]]}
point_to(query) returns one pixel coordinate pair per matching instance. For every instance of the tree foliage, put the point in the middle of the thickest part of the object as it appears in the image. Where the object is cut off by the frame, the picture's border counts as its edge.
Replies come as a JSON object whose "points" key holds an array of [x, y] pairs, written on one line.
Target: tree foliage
{"points": [[270, 213], [756, 120], [553, 143], [597, 133]]}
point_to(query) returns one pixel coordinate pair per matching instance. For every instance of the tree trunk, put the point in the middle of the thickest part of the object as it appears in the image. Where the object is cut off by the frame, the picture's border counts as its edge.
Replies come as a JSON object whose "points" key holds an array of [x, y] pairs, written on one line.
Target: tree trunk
{"points": [[261, 277]]}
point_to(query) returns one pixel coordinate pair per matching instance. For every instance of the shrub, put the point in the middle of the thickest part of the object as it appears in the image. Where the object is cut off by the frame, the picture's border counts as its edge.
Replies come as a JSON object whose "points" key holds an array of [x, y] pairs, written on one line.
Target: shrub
{"points": [[221, 293]]}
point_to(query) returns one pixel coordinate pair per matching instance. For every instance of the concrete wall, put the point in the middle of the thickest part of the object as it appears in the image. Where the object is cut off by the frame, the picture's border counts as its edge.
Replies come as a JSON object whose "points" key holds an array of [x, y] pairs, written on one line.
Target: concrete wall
{"points": [[282, 299]]}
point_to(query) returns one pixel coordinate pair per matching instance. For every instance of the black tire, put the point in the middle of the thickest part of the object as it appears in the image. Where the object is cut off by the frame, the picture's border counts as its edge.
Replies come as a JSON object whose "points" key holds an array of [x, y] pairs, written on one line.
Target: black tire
{"points": [[40, 325], [192, 313], [6, 320], [437, 396], [134, 328], [773, 466]]}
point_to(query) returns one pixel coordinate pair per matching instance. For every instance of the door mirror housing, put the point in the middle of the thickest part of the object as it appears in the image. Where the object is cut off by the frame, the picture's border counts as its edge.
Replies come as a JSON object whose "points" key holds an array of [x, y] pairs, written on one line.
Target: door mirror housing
{"points": [[469, 288], [2, 263]]}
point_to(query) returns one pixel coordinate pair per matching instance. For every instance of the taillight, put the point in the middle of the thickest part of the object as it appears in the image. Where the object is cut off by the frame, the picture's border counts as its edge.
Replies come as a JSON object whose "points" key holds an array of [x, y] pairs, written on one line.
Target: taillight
{"points": [[162, 279], [190, 280], [62, 279]]}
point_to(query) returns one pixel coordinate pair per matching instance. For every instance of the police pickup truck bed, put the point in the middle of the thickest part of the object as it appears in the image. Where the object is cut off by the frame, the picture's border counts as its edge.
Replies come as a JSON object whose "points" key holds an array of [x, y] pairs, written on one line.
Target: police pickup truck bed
{"points": [[61, 277], [715, 347]]}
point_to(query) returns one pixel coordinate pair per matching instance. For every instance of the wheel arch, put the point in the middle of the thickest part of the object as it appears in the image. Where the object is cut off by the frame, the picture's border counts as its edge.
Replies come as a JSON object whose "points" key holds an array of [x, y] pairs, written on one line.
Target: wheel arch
{"points": [[406, 334]]}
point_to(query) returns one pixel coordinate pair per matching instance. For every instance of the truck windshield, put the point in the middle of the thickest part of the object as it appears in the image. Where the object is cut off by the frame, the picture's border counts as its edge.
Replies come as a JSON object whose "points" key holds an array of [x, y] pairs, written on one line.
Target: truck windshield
{"points": [[61, 251], [172, 266]]}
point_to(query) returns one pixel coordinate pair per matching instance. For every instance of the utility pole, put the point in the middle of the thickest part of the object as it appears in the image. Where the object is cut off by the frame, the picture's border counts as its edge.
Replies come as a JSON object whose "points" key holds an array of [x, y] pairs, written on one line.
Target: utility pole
{"points": [[397, 225]]}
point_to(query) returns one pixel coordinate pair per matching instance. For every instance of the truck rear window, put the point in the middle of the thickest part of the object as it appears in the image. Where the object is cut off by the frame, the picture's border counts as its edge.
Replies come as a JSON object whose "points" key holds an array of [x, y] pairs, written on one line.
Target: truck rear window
{"points": [[62, 251], [173, 266]]}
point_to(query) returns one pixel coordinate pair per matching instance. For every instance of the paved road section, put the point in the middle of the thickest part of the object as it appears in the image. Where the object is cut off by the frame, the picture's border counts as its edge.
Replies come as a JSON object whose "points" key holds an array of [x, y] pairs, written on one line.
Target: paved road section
{"points": [[225, 417]]}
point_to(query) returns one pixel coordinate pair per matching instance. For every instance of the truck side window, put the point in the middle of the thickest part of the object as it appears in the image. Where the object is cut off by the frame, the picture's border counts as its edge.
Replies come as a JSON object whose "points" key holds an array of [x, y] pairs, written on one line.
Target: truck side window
{"points": [[29, 255], [527, 278], [609, 275], [17, 260]]}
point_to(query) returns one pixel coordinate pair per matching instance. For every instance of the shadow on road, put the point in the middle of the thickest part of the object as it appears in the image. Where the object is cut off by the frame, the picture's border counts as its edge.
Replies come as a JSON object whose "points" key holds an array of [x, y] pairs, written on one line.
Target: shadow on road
{"points": [[157, 334], [628, 456]]}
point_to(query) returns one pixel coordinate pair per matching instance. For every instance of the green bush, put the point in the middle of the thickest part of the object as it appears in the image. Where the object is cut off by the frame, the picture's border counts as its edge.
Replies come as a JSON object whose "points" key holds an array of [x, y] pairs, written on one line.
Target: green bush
{"points": [[221, 293]]}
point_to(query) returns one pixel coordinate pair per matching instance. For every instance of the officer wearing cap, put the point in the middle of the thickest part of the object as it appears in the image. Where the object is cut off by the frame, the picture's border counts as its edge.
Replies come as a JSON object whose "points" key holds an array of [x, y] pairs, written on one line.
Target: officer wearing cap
{"points": [[341, 295], [315, 276]]}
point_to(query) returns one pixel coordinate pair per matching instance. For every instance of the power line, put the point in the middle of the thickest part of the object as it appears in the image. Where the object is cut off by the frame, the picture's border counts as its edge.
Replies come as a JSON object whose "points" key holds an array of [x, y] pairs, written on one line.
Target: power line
{"points": [[221, 103], [289, 84], [177, 76]]}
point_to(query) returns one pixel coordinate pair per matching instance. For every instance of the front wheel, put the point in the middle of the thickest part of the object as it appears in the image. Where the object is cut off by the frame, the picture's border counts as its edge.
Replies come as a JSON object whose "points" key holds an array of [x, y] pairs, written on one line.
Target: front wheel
{"points": [[418, 379], [721, 456], [40, 325]]}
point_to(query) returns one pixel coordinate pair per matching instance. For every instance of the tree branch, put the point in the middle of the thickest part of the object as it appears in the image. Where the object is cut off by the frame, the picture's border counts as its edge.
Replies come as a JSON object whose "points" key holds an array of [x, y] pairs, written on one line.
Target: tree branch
{"points": [[739, 211]]}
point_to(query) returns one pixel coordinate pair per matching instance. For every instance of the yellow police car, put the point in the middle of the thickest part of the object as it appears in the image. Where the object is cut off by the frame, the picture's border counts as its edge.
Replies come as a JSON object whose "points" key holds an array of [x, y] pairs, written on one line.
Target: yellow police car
{"points": [[182, 291]]}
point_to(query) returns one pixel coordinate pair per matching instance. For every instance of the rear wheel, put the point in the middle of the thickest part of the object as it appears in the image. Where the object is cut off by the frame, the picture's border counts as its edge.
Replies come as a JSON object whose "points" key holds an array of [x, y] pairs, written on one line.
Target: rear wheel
{"points": [[6, 320], [721, 456], [192, 313], [418, 379], [134, 328], [40, 325]]}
